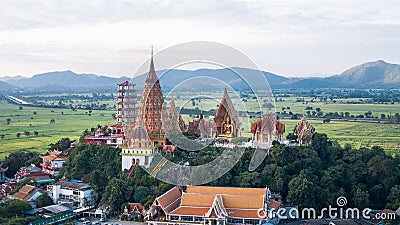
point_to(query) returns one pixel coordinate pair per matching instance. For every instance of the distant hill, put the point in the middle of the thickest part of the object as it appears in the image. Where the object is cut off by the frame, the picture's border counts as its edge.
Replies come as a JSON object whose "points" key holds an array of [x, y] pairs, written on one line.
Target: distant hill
{"points": [[169, 79], [66, 79], [4, 86], [8, 78], [378, 74]]}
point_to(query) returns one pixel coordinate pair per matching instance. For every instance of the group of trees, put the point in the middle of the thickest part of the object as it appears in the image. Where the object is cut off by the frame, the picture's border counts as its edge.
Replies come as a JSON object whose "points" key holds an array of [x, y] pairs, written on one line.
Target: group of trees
{"points": [[308, 176]]}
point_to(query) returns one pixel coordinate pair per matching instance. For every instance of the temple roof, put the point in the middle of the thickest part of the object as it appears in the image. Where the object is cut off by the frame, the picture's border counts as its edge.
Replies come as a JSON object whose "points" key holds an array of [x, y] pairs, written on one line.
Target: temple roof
{"points": [[206, 200]]}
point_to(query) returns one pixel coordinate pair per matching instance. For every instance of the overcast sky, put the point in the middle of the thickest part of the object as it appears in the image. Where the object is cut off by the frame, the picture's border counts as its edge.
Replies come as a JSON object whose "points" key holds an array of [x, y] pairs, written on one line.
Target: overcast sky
{"points": [[291, 38]]}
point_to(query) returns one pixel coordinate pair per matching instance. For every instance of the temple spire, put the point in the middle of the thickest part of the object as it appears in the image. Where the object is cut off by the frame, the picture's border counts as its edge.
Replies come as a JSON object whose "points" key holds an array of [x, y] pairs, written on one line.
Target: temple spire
{"points": [[152, 72]]}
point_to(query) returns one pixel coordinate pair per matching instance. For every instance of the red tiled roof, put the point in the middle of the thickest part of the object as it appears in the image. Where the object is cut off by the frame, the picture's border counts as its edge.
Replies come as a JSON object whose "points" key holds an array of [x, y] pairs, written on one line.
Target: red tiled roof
{"points": [[133, 207], [170, 200]]}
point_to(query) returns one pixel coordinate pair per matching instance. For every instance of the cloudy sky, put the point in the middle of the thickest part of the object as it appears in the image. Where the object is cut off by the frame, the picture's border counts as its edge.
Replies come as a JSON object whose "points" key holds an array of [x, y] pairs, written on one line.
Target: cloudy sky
{"points": [[291, 38]]}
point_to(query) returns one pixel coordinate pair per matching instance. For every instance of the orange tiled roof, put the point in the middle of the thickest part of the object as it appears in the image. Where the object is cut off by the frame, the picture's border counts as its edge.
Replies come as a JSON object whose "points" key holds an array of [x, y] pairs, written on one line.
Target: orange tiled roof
{"points": [[243, 213], [25, 192], [226, 190], [225, 201], [197, 199], [243, 201], [190, 211]]}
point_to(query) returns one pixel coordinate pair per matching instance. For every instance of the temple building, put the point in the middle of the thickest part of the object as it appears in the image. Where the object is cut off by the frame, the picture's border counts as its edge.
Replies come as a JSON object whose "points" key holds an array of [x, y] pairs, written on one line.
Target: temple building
{"points": [[174, 121], [147, 136], [212, 205], [150, 109], [126, 114], [266, 130], [126, 103], [138, 148], [304, 132], [226, 120], [224, 126]]}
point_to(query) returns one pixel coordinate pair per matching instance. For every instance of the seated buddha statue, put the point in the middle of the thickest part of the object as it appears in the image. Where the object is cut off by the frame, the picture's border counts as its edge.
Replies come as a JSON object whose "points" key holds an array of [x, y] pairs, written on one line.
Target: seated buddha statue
{"points": [[227, 127]]}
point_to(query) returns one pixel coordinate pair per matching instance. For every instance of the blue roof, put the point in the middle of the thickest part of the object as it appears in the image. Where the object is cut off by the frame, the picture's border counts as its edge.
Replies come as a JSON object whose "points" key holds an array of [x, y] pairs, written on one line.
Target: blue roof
{"points": [[76, 181]]}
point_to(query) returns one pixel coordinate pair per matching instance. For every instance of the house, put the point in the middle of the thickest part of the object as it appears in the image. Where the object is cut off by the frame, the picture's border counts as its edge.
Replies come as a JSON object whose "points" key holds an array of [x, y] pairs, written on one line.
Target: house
{"points": [[71, 192], [31, 171], [28, 193], [53, 162], [210, 205]]}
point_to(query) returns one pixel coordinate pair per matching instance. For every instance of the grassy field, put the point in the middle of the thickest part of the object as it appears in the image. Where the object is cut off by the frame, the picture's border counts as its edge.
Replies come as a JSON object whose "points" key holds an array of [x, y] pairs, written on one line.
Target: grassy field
{"points": [[69, 124]]}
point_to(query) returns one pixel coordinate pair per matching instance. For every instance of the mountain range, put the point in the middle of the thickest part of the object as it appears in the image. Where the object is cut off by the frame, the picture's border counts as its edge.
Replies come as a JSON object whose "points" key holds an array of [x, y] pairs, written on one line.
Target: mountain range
{"points": [[377, 74]]}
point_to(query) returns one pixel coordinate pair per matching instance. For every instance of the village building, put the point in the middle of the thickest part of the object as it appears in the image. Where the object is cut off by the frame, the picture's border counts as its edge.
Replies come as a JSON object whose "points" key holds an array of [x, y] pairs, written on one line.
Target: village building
{"points": [[74, 192], [28, 193], [266, 130], [31, 171], [304, 132], [211, 205], [113, 135], [53, 162]]}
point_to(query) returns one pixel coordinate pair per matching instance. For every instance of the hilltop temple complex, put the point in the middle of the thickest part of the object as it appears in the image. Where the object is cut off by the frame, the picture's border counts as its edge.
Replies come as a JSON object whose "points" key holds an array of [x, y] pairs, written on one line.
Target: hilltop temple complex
{"points": [[141, 131]]}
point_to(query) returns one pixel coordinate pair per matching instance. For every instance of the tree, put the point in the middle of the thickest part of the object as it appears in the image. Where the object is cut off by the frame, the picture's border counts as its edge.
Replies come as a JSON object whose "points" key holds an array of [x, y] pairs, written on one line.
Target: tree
{"points": [[52, 121], [14, 208], [8, 121], [18, 135], [27, 133], [61, 145], [393, 200], [141, 194], [36, 133], [361, 198], [303, 190], [17, 159], [20, 108], [34, 113], [114, 194], [2, 136], [43, 200]]}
